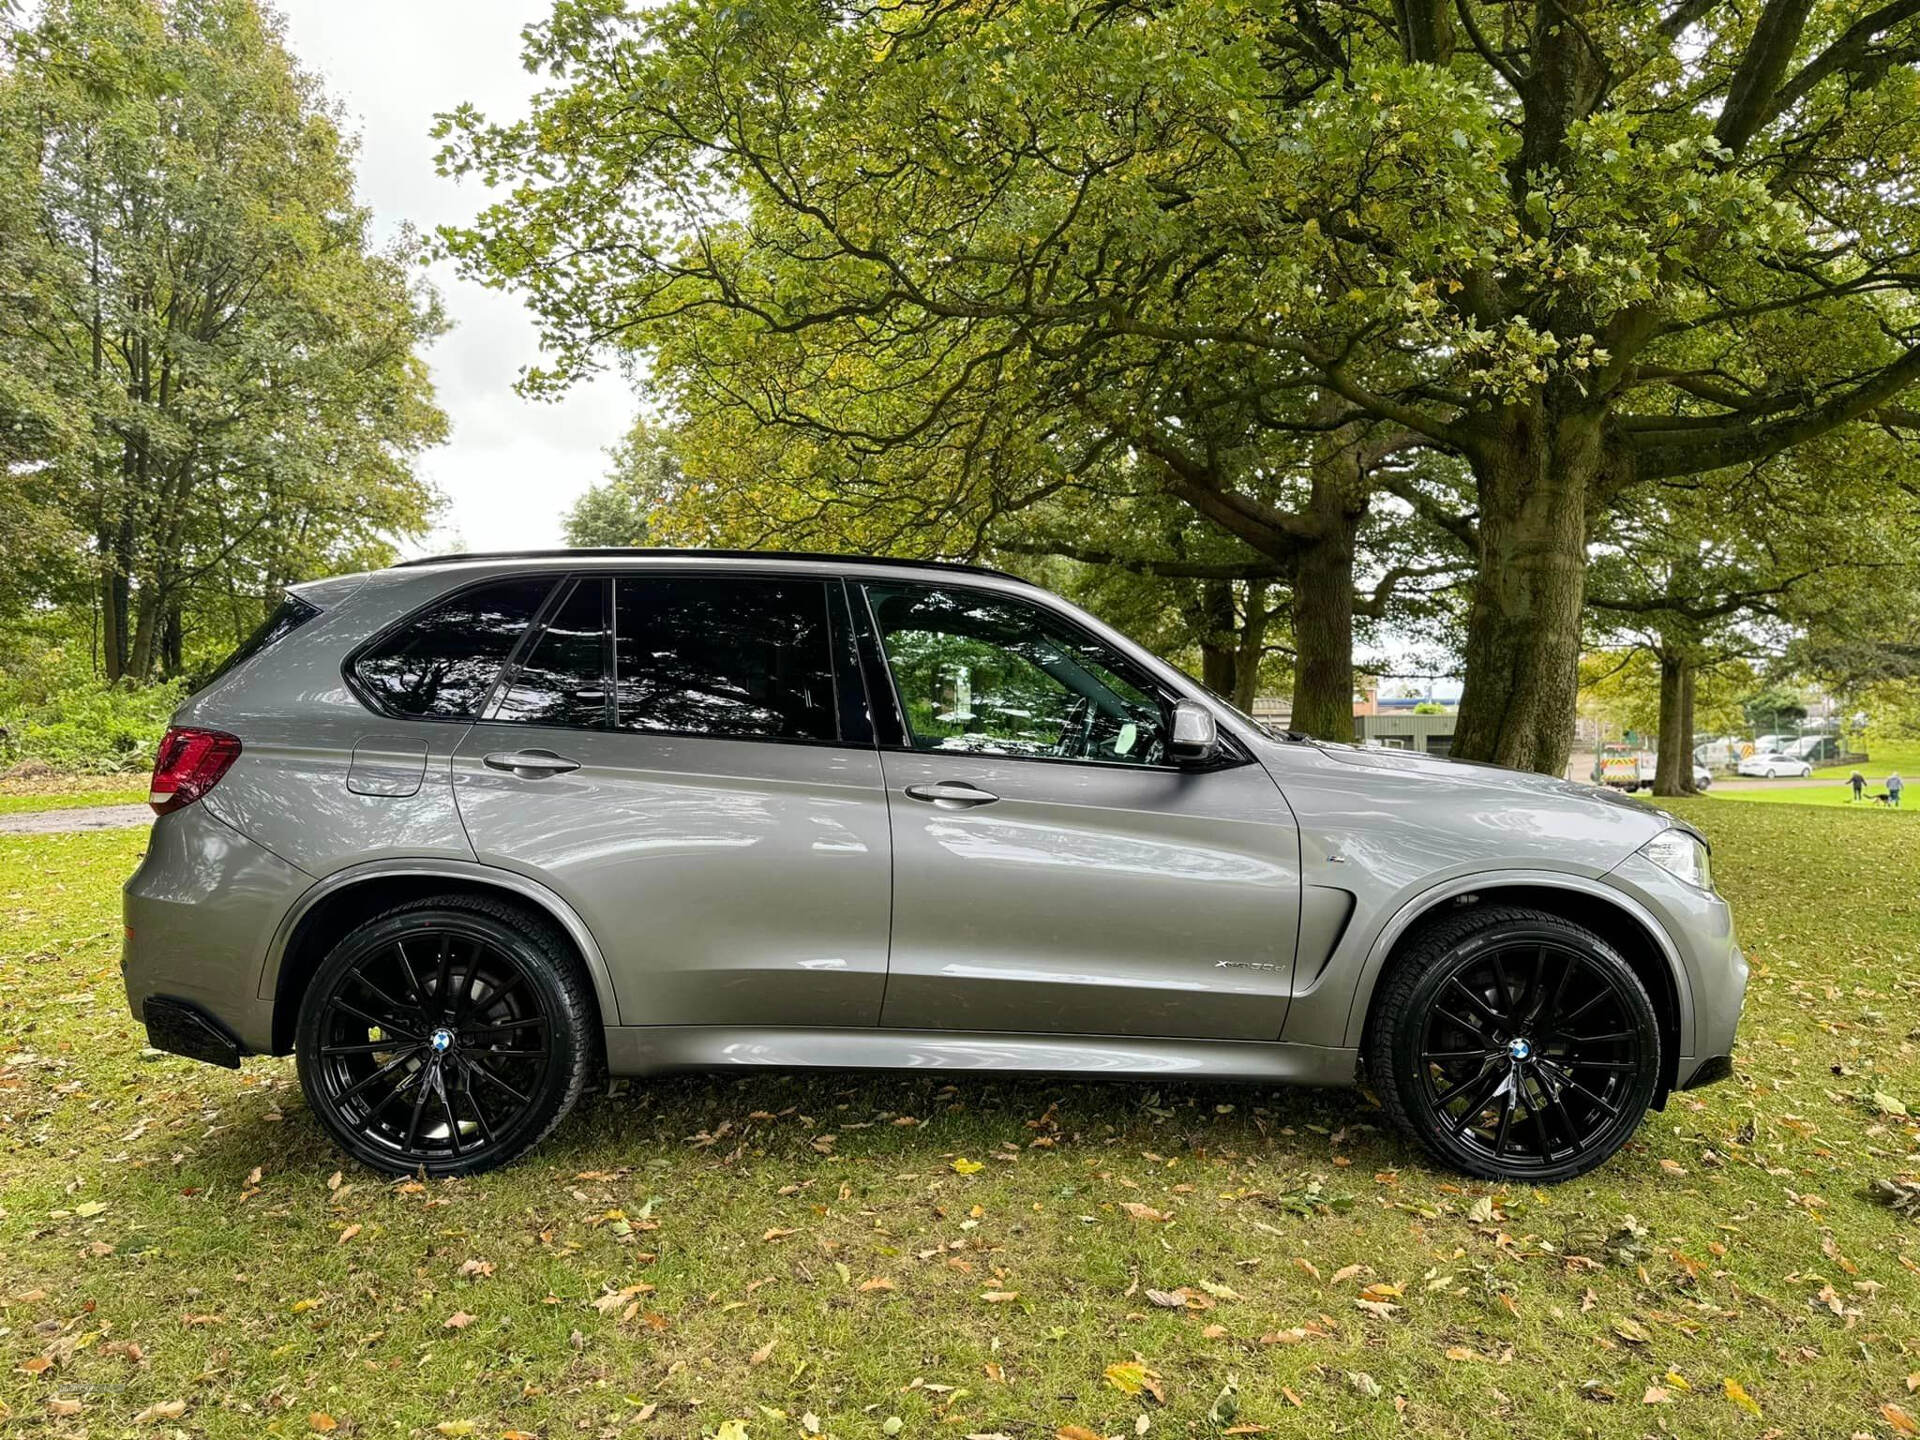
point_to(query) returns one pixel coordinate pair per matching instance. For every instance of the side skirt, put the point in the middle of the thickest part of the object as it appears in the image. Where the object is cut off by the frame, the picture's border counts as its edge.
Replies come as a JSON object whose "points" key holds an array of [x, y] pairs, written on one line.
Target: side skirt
{"points": [[650, 1049]]}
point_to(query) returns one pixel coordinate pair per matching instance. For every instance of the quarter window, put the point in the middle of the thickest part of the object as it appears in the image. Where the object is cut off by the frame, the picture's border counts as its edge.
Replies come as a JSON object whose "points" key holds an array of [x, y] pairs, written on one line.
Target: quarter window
{"points": [[442, 665], [734, 658], [982, 674], [563, 680]]}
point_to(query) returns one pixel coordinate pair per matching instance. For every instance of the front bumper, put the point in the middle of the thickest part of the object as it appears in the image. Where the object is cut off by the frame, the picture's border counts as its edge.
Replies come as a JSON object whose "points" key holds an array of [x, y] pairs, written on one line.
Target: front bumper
{"points": [[1713, 971], [201, 912]]}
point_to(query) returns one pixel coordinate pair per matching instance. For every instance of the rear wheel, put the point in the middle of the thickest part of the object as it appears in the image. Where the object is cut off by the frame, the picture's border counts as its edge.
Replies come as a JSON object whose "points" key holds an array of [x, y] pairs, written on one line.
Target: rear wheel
{"points": [[1514, 1045], [448, 1035]]}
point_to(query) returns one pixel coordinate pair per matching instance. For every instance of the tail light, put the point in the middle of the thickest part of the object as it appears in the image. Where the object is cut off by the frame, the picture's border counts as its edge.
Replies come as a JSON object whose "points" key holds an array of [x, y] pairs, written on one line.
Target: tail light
{"points": [[190, 763]]}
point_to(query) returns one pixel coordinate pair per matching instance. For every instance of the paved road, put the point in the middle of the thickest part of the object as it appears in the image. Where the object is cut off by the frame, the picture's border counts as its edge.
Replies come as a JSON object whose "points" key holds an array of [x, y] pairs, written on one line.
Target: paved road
{"points": [[75, 817]]}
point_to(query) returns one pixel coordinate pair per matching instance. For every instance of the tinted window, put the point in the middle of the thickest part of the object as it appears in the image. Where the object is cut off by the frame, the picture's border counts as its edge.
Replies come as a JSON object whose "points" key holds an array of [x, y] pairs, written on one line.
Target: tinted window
{"points": [[987, 675], [441, 665], [740, 658], [287, 617], [563, 679]]}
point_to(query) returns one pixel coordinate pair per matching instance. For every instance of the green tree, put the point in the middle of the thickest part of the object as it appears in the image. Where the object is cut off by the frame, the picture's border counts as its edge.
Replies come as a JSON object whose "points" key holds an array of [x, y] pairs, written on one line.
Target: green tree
{"points": [[644, 475], [241, 394], [1583, 245]]}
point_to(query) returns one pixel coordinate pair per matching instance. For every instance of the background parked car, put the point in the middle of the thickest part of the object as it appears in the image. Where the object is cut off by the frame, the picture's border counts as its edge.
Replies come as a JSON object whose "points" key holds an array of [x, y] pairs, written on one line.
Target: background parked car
{"points": [[1775, 766]]}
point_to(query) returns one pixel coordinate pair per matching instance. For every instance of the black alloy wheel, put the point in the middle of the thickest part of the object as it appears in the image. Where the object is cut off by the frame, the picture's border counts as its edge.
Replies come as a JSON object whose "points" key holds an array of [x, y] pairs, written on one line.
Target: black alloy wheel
{"points": [[448, 1035], [1515, 1045]]}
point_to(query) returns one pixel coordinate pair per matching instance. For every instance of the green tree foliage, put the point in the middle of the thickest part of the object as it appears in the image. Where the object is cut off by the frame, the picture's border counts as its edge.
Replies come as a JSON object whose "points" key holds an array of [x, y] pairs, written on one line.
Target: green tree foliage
{"points": [[645, 476], [1580, 245], [1729, 567], [206, 369]]}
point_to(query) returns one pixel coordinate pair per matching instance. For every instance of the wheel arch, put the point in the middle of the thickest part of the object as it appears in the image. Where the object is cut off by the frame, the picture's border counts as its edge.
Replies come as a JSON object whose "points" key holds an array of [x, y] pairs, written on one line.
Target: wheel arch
{"points": [[1618, 919], [340, 902]]}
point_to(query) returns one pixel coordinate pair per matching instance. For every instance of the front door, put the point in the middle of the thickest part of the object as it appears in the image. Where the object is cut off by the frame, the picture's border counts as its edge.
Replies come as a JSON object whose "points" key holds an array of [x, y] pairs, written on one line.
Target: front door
{"points": [[685, 758], [1053, 869]]}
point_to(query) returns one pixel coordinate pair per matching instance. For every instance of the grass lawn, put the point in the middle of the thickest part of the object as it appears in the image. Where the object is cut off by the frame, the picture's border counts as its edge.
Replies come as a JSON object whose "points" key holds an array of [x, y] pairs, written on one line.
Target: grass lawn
{"points": [[766, 1255], [65, 791], [1901, 756], [1835, 794]]}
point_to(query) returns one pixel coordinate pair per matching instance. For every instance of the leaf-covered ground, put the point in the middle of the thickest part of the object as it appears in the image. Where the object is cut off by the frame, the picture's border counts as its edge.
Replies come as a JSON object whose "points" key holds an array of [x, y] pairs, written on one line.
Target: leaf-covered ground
{"points": [[181, 1251]]}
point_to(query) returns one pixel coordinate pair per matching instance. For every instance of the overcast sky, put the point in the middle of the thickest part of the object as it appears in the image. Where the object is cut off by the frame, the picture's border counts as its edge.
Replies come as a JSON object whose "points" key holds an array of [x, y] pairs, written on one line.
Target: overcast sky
{"points": [[511, 467]]}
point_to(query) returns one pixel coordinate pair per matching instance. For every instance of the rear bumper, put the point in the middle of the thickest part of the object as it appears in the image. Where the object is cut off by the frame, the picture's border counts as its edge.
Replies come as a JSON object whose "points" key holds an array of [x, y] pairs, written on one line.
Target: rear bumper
{"points": [[1710, 1071], [200, 913], [182, 1028]]}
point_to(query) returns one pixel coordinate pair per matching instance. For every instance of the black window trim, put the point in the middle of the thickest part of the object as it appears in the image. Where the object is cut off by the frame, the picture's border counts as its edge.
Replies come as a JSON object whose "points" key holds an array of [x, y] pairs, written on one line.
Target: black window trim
{"points": [[556, 597], [536, 631], [1231, 753], [350, 665]]}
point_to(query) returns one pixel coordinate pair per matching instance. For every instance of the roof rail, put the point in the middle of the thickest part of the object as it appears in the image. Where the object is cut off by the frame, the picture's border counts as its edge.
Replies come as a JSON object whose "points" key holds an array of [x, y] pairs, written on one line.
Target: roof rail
{"points": [[629, 552]]}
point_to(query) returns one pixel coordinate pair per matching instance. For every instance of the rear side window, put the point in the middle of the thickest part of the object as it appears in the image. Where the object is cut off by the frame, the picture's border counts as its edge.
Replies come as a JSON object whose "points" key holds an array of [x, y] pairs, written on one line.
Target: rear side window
{"points": [[733, 658], [441, 664], [288, 616], [563, 679]]}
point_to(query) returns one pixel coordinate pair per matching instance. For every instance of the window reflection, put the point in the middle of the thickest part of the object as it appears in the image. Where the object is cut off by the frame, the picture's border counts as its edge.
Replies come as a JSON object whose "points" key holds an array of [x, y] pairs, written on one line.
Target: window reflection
{"points": [[442, 665], [739, 658], [984, 674], [563, 680]]}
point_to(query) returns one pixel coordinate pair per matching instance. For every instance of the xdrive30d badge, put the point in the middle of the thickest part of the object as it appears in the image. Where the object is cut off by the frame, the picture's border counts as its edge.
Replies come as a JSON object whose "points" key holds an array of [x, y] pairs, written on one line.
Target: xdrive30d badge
{"points": [[460, 832]]}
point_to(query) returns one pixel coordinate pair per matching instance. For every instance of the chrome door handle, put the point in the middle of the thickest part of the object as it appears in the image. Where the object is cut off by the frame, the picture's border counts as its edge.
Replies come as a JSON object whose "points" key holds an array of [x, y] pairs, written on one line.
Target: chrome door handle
{"points": [[530, 764], [951, 794]]}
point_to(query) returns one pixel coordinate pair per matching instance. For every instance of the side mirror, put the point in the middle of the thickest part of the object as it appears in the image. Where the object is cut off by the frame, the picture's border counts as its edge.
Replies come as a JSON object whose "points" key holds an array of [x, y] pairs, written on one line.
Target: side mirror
{"points": [[1195, 735]]}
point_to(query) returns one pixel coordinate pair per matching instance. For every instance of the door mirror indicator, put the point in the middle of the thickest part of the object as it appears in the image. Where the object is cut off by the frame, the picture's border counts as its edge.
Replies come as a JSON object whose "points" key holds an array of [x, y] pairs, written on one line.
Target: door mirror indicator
{"points": [[1195, 734]]}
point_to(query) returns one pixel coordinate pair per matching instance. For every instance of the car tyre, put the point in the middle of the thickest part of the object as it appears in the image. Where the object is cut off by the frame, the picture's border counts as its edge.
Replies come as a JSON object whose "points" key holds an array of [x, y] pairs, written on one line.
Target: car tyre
{"points": [[448, 1035], [1482, 1048]]}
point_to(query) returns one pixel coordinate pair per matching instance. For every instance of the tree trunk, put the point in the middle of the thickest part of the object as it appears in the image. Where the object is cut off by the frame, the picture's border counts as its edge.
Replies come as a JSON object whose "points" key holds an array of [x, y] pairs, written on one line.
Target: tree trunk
{"points": [[1323, 588], [1687, 784], [1673, 770], [1252, 646], [1535, 474], [1217, 629], [1323, 638]]}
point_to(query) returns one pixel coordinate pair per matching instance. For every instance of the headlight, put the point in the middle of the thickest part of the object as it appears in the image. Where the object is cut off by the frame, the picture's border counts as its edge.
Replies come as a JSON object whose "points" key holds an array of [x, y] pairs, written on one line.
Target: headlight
{"points": [[1683, 855]]}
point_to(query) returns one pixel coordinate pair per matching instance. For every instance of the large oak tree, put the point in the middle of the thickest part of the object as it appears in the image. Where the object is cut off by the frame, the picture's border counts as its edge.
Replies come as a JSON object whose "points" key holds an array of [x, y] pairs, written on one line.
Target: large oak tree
{"points": [[1581, 244]]}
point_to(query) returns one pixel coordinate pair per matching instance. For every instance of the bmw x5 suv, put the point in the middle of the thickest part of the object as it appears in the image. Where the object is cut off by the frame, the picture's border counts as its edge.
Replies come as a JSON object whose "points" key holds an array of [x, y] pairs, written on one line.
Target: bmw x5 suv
{"points": [[460, 832]]}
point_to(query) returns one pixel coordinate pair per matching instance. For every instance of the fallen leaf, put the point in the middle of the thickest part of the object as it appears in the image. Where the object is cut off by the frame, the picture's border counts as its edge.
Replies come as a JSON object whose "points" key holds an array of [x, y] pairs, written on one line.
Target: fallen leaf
{"points": [[455, 1427], [1899, 1419], [165, 1410], [878, 1282], [347, 1234], [1657, 1395], [1143, 1212], [322, 1421], [763, 1354], [999, 1297], [459, 1320], [1074, 1432], [1737, 1393], [964, 1166]]}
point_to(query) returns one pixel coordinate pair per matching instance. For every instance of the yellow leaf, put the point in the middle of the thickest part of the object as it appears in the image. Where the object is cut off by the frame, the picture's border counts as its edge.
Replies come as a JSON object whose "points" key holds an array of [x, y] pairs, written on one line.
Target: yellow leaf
{"points": [[300, 1307], [1129, 1377], [1737, 1393], [999, 1297], [322, 1421], [964, 1166], [1074, 1432], [1899, 1419], [455, 1427], [1676, 1380]]}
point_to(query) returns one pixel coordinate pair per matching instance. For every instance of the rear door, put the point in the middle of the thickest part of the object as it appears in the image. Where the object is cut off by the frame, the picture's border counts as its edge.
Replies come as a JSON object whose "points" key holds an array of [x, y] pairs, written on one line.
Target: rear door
{"points": [[686, 758], [1054, 871]]}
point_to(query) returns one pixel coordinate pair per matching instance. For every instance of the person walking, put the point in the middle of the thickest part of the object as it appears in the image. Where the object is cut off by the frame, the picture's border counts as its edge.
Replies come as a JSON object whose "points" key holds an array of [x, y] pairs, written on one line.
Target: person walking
{"points": [[1893, 789], [1859, 784]]}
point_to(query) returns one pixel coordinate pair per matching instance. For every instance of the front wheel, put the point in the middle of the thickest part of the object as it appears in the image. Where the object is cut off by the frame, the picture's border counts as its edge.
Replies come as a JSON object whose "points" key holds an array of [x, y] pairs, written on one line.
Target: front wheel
{"points": [[1514, 1045], [448, 1035]]}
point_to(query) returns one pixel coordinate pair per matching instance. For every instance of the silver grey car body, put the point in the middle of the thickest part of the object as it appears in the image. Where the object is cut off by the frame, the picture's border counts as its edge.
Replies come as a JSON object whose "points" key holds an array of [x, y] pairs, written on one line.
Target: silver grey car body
{"points": [[741, 902]]}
